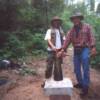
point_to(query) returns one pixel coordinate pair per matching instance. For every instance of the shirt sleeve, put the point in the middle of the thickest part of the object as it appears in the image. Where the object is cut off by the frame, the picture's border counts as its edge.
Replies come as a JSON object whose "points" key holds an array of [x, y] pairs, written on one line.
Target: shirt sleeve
{"points": [[67, 40], [48, 35], [91, 36]]}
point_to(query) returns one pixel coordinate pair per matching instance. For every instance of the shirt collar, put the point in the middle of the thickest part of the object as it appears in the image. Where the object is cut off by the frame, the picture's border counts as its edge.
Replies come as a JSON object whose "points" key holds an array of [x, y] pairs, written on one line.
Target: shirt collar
{"points": [[78, 26]]}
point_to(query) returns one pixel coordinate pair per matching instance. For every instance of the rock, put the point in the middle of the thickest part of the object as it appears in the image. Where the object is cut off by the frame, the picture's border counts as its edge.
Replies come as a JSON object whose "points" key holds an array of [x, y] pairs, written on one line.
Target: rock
{"points": [[7, 87], [11, 85]]}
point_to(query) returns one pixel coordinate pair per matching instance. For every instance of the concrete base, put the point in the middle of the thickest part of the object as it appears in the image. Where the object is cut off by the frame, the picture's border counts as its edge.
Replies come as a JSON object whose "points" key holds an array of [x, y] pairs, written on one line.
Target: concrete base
{"points": [[58, 88]]}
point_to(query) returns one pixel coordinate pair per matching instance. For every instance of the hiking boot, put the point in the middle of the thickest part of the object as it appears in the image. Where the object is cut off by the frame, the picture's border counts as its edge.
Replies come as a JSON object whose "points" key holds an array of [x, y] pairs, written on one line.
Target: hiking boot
{"points": [[78, 86], [84, 92], [42, 85]]}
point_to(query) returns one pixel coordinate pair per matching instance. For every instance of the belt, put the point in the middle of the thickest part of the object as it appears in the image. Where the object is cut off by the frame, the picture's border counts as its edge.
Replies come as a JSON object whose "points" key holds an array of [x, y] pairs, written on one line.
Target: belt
{"points": [[81, 47]]}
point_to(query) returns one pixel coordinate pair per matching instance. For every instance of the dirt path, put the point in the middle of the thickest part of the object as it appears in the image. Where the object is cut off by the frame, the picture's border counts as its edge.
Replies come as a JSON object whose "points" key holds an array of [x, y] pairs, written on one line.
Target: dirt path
{"points": [[29, 88]]}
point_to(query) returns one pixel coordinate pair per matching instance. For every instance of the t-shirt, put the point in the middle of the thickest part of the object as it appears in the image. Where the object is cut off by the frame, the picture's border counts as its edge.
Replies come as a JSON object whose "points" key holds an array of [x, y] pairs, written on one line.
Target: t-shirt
{"points": [[58, 44]]}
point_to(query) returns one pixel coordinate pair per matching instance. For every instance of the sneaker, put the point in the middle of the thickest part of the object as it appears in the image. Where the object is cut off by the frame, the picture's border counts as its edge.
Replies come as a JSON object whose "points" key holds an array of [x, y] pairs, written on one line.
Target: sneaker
{"points": [[78, 86]]}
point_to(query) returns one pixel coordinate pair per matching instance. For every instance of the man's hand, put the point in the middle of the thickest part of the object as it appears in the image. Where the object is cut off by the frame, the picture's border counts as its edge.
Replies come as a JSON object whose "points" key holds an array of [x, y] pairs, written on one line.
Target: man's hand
{"points": [[51, 45], [61, 54], [54, 48], [93, 51]]}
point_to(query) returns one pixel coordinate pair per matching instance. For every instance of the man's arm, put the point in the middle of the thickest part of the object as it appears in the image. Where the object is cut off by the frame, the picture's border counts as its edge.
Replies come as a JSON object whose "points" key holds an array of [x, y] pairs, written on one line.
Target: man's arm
{"points": [[51, 45], [66, 44], [67, 41], [92, 42], [91, 37]]}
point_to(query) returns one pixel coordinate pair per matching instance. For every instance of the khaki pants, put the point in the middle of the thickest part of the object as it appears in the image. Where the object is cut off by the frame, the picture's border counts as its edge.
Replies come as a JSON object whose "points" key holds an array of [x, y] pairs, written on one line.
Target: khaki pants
{"points": [[54, 63]]}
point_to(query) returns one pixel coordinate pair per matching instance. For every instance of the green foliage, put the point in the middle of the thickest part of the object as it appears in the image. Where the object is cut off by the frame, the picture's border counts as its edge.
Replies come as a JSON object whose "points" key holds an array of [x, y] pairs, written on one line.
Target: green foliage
{"points": [[28, 19], [16, 46], [27, 14], [66, 21], [38, 41], [55, 7], [23, 43], [27, 71], [95, 22]]}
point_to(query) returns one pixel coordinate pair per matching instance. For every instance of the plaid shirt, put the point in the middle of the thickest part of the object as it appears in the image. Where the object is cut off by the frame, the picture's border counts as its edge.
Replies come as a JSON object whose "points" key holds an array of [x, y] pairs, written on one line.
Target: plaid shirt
{"points": [[85, 37]]}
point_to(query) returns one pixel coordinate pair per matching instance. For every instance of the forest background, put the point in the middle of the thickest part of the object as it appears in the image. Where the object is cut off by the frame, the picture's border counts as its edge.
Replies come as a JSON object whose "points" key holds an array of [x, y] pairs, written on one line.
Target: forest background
{"points": [[23, 24]]}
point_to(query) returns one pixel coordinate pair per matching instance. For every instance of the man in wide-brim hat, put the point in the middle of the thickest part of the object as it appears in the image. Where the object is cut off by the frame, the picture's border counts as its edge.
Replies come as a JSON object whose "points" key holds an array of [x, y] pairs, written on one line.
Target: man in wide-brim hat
{"points": [[77, 15], [54, 37], [83, 41], [56, 18], [56, 22]]}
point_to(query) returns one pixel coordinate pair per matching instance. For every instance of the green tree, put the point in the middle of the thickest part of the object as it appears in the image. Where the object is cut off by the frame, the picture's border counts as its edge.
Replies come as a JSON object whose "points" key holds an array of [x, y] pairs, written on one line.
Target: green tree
{"points": [[92, 5], [98, 9]]}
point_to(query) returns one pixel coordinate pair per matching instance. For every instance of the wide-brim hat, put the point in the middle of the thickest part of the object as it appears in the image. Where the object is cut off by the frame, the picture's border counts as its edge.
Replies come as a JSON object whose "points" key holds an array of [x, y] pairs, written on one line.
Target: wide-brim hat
{"points": [[56, 18], [78, 15]]}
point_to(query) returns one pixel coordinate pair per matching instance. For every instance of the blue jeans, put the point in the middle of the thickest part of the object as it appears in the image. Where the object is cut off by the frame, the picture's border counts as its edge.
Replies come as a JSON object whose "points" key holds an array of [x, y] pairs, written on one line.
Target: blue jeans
{"points": [[81, 67]]}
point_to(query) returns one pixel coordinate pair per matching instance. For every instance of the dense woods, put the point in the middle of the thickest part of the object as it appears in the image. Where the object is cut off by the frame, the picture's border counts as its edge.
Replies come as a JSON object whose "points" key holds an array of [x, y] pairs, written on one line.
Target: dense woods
{"points": [[23, 24]]}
